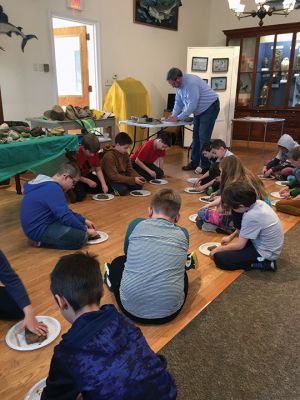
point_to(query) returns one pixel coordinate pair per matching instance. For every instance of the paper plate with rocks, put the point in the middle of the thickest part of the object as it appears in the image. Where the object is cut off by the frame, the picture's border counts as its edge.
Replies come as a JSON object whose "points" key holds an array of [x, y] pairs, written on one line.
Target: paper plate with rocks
{"points": [[140, 193], [277, 195], [26, 341], [193, 190], [158, 181], [193, 180], [266, 178], [206, 248], [99, 238], [103, 197], [36, 391], [193, 217], [281, 183], [205, 199]]}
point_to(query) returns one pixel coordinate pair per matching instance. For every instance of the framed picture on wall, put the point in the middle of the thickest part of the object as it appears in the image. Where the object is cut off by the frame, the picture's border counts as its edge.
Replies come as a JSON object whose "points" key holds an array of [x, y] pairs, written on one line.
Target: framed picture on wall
{"points": [[199, 64], [160, 14], [219, 83], [220, 64]]}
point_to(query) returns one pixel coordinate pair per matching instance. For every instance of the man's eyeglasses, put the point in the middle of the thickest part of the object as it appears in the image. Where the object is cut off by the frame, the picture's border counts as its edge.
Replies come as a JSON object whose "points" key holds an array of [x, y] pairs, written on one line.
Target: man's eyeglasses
{"points": [[73, 179]]}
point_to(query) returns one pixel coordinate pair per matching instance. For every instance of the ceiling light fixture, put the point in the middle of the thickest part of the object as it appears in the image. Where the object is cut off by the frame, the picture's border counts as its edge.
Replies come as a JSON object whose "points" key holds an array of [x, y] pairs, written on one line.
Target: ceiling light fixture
{"points": [[263, 9]]}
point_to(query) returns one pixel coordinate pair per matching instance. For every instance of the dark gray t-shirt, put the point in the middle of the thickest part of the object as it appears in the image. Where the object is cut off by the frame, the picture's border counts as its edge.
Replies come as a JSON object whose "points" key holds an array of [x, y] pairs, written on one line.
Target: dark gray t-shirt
{"points": [[261, 225]]}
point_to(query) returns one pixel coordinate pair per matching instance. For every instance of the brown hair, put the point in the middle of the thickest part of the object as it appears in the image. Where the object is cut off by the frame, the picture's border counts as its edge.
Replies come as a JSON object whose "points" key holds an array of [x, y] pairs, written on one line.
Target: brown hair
{"points": [[233, 171], [167, 202], [91, 142]]}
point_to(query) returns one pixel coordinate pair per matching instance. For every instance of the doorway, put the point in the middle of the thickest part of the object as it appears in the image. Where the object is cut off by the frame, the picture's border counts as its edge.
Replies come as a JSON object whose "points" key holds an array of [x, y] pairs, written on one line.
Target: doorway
{"points": [[75, 56]]}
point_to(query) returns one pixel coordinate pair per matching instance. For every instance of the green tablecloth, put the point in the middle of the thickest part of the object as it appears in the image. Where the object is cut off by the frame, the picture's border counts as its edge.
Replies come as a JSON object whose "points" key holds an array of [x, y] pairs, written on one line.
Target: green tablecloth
{"points": [[17, 157]]}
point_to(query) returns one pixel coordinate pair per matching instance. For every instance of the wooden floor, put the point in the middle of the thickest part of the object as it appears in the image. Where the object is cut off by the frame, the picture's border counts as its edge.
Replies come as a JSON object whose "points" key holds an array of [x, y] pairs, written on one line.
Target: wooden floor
{"points": [[19, 371]]}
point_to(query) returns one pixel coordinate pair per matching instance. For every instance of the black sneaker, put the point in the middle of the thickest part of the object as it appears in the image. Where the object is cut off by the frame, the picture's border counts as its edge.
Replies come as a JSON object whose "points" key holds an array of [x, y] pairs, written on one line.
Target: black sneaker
{"points": [[189, 167], [265, 265], [106, 276]]}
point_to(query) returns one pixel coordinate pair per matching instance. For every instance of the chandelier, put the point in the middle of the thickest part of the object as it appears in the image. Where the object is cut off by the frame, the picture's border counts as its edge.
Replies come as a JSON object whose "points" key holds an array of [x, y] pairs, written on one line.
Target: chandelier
{"points": [[263, 9]]}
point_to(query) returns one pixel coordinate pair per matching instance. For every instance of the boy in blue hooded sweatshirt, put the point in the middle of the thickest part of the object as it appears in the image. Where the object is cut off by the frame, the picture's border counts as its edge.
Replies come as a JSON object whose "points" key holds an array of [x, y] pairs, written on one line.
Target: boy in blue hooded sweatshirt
{"points": [[103, 356], [45, 216]]}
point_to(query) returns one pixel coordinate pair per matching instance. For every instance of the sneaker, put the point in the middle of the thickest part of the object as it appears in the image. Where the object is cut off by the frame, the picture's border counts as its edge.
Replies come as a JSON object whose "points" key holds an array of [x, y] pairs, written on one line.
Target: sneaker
{"points": [[198, 171], [207, 227], [106, 276], [265, 265], [189, 167], [192, 261]]}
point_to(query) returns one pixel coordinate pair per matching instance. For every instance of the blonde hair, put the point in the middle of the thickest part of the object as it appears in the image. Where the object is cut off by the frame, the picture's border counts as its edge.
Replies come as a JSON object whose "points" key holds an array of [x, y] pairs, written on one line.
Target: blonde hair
{"points": [[167, 202], [232, 170]]}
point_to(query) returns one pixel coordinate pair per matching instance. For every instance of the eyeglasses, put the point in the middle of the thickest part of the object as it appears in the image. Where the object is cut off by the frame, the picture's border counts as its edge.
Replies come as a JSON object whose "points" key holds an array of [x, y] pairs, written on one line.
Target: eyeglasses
{"points": [[73, 179]]}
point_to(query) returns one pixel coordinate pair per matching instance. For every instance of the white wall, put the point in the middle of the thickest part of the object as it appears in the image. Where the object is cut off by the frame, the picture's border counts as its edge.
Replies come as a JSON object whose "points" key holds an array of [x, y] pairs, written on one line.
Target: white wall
{"points": [[127, 49], [221, 18]]}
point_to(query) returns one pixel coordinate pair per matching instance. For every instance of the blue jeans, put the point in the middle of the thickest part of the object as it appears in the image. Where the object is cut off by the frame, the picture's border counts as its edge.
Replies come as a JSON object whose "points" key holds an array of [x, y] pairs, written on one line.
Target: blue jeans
{"points": [[202, 131], [63, 237]]}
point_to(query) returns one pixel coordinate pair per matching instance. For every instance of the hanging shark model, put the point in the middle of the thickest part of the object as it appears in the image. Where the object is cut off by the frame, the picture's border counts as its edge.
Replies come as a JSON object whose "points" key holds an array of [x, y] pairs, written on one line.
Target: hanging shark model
{"points": [[8, 28]]}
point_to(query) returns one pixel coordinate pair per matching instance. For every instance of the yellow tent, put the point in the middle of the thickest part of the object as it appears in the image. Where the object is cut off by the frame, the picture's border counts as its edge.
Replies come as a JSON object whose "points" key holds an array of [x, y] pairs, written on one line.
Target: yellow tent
{"points": [[125, 98]]}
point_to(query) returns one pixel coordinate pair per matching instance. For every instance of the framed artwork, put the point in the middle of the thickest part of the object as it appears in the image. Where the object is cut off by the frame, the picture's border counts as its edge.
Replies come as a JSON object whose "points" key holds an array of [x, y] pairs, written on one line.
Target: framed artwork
{"points": [[219, 83], [278, 4], [159, 13], [220, 64], [199, 64]]}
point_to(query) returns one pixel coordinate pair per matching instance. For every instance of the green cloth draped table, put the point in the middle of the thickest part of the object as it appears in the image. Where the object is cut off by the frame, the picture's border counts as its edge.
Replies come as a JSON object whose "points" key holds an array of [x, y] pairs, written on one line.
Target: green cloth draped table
{"points": [[17, 157]]}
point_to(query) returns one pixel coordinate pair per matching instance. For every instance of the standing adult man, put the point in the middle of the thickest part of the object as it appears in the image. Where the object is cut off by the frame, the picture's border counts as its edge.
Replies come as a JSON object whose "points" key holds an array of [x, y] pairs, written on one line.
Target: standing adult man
{"points": [[194, 96]]}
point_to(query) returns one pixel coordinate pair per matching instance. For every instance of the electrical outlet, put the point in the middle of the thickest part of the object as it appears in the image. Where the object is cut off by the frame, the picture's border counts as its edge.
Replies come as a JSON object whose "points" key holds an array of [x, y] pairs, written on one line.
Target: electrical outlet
{"points": [[108, 82]]}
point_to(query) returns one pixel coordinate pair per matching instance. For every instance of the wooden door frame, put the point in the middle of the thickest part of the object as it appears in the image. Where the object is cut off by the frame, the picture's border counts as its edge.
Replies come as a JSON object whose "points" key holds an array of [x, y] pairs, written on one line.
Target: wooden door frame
{"points": [[97, 40]]}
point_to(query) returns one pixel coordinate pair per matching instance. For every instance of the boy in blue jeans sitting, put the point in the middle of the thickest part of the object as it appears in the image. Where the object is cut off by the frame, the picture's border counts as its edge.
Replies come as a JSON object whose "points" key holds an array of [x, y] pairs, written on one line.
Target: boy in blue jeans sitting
{"points": [[103, 356], [260, 237], [45, 216]]}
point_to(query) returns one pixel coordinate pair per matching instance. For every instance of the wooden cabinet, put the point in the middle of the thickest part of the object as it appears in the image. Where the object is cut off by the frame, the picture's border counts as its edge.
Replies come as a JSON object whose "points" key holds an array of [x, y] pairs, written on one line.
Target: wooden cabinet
{"points": [[268, 78]]}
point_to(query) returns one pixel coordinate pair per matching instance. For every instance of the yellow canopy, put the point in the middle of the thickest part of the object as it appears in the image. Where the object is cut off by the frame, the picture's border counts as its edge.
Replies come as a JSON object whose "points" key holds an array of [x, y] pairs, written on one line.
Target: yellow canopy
{"points": [[125, 98]]}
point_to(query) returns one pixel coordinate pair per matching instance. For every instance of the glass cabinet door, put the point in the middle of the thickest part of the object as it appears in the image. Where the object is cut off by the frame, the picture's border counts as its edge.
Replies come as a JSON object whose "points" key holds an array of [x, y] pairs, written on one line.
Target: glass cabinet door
{"points": [[294, 97], [264, 66], [281, 69], [246, 71]]}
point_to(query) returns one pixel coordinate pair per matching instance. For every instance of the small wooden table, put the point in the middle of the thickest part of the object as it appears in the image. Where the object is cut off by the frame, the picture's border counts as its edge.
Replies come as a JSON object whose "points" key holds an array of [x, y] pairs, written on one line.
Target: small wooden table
{"points": [[258, 120]]}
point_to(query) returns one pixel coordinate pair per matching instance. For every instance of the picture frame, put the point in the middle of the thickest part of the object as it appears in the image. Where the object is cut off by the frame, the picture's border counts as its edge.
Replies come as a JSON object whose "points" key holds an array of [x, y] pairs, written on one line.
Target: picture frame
{"points": [[220, 64], [159, 15], [219, 83], [199, 64]]}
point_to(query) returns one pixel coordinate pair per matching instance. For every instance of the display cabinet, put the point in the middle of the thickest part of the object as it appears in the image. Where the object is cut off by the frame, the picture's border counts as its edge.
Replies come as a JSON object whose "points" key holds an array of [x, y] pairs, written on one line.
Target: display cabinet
{"points": [[268, 78]]}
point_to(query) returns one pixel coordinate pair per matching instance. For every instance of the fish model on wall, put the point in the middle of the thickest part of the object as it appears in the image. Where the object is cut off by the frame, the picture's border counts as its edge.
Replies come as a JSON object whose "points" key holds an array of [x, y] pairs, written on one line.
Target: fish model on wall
{"points": [[7, 28]]}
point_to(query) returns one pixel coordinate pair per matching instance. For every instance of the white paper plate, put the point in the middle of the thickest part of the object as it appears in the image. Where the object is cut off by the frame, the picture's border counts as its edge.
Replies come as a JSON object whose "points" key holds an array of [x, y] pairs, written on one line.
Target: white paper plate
{"points": [[192, 180], [274, 202], [161, 182], [204, 199], [264, 178], [191, 190], [36, 391], [143, 193], [103, 238], [277, 195], [281, 183], [109, 197], [12, 335], [204, 247], [193, 217]]}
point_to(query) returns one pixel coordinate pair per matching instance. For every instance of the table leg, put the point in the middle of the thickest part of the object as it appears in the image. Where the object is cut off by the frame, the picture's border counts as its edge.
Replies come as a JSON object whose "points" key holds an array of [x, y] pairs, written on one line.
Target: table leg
{"points": [[134, 140], [265, 134], [282, 127], [18, 184], [249, 133]]}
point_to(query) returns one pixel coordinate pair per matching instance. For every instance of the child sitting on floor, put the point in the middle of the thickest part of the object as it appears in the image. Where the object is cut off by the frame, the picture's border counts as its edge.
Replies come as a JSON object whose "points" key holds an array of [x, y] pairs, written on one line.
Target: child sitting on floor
{"points": [[103, 355], [149, 282], [280, 166], [45, 216], [148, 160], [210, 159], [260, 238], [292, 192], [213, 217], [212, 177], [117, 166], [14, 300], [88, 161]]}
